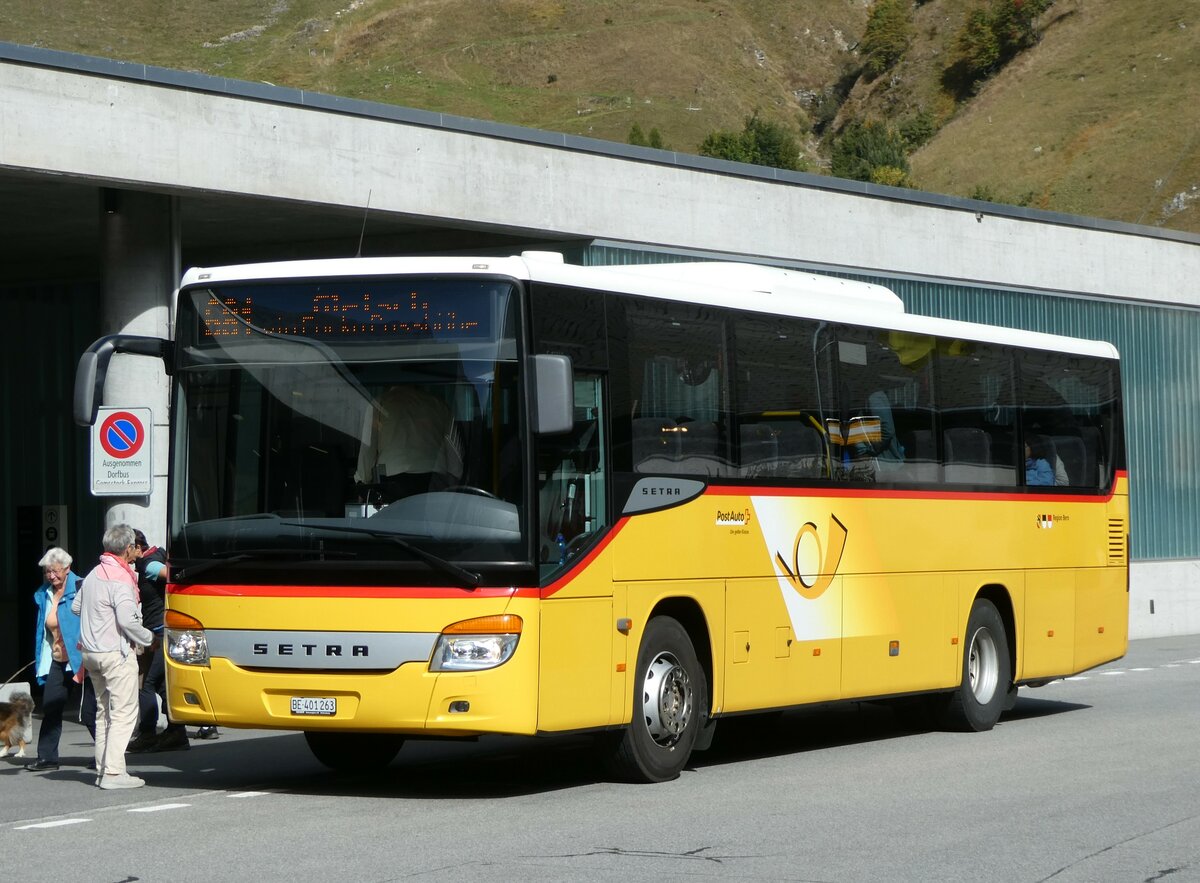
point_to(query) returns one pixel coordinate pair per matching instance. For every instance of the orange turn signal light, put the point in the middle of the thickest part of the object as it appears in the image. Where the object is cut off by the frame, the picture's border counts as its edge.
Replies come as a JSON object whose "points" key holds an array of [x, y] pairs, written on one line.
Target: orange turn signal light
{"points": [[173, 619], [500, 624]]}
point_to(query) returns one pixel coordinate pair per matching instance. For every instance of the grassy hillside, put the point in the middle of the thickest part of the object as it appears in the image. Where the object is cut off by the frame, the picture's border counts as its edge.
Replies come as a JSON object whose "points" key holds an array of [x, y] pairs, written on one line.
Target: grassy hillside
{"points": [[1102, 118], [1099, 118]]}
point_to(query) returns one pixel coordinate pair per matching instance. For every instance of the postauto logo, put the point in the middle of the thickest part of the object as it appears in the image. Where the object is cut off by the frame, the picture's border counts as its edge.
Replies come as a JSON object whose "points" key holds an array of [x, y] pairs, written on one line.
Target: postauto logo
{"points": [[828, 555]]}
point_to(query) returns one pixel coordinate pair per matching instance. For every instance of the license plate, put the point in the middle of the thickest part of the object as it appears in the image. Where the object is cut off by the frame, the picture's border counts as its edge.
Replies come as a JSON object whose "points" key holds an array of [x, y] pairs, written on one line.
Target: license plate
{"points": [[314, 705]]}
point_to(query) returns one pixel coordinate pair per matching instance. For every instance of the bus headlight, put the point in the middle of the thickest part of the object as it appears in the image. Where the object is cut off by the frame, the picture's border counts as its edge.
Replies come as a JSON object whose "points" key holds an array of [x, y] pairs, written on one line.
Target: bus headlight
{"points": [[476, 644], [186, 641]]}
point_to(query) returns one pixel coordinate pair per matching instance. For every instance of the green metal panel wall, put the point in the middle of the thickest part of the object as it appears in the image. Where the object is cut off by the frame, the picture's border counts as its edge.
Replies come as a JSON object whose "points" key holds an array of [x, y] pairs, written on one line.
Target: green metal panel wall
{"points": [[1160, 369]]}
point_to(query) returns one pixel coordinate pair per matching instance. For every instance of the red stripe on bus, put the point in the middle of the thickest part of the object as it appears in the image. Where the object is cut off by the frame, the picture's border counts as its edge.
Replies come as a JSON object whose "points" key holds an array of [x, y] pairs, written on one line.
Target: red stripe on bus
{"points": [[351, 591], [870, 493], [583, 563]]}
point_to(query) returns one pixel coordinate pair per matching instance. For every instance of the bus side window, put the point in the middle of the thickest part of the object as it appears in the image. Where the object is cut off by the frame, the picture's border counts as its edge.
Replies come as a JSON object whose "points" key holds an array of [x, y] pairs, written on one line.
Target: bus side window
{"points": [[572, 480], [679, 416], [572, 472], [884, 416], [975, 400], [1068, 402], [782, 388]]}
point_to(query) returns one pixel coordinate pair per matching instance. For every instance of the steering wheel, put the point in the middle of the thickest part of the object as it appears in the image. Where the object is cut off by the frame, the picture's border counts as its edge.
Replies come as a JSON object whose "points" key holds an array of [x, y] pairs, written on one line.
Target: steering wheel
{"points": [[577, 543], [469, 489]]}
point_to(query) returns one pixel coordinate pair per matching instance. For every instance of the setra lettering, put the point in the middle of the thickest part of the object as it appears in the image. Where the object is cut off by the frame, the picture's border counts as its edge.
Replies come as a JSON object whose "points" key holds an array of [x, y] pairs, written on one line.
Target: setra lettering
{"points": [[359, 650]]}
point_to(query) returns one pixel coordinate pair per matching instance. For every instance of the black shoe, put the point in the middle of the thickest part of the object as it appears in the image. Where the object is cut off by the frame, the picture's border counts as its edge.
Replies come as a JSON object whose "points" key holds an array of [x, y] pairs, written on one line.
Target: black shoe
{"points": [[41, 766], [207, 733], [141, 744], [170, 740]]}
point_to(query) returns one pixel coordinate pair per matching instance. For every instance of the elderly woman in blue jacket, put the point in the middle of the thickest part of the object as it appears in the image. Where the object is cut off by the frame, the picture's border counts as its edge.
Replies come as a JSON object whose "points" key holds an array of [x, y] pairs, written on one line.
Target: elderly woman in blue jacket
{"points": [[58, 661]]}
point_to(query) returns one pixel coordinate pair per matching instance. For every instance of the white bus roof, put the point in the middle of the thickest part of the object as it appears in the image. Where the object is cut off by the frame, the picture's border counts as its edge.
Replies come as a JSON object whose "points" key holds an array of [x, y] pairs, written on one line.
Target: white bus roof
{"points": [[752, 287]]}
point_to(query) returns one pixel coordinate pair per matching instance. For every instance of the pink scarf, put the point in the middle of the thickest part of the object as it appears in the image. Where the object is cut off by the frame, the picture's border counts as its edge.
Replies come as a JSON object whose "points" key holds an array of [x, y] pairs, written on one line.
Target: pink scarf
{"points": [[116, 569]]}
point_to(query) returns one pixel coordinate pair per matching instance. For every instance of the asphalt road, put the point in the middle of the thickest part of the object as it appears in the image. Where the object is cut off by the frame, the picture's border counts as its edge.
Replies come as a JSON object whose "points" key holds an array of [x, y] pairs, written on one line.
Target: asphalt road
{"points": [[1092, 779]]}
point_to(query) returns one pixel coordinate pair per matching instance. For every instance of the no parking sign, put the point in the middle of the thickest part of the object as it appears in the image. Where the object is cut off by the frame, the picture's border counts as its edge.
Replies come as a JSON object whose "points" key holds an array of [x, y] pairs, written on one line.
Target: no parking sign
{"points": [[121, 453]]}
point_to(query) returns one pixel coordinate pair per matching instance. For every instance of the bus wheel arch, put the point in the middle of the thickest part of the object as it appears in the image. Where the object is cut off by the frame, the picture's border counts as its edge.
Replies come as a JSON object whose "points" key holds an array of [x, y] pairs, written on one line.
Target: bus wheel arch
{"points": [[687, 612], [1002, 601], [671, 690], [986, 681]]}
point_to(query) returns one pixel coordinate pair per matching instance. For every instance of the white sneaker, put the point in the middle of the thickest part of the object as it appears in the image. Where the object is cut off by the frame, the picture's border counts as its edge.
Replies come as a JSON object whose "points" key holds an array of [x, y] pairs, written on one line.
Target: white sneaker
{"points": [[124, 780]]}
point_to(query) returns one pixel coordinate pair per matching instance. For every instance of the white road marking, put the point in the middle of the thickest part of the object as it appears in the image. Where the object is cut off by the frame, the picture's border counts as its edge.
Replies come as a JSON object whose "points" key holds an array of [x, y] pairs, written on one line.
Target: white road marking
{"points": [[57, 824], [159, 808], [241, 794]]}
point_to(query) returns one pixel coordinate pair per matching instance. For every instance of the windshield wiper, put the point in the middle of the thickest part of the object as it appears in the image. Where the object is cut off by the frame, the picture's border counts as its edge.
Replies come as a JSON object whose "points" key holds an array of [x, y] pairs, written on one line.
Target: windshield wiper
{"points": [[470, 577], [222, 559]]}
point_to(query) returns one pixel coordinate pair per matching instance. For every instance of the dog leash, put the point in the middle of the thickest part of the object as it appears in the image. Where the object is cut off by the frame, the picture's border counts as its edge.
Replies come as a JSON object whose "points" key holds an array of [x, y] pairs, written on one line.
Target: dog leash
{"points": [[17, 672]]}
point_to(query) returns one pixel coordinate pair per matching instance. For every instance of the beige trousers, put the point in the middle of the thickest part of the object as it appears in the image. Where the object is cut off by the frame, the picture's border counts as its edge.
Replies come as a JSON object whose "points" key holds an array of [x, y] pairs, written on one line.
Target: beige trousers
{"points": [[115, 677]]}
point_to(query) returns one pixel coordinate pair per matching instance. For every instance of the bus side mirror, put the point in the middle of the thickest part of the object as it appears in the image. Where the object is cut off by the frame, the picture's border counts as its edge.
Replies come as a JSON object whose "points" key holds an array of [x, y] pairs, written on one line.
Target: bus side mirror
{"points": [[554, 408], [93, 367]]}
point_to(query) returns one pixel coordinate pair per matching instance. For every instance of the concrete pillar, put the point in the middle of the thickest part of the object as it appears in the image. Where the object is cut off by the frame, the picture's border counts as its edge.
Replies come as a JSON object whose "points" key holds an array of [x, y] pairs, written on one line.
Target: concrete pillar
{"points": [[141, 258]]}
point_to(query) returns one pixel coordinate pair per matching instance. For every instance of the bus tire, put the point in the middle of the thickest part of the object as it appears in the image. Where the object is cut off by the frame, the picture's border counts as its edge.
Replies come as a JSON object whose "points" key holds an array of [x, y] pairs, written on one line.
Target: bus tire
{"points": [[670, 706], [986, 672], [354, 752]]}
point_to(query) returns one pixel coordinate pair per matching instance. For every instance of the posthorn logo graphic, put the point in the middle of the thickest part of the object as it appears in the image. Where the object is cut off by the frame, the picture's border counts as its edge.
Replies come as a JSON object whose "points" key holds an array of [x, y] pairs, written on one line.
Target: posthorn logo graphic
{"points": [[813, 564]]}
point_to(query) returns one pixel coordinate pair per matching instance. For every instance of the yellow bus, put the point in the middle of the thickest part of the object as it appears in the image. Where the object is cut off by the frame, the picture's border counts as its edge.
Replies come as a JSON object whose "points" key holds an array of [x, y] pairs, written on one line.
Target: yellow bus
{"points": [[445, 497]]}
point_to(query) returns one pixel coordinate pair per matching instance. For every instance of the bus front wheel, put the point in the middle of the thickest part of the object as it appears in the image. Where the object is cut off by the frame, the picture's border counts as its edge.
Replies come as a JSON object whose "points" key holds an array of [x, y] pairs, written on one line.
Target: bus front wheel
{"points": [[354, 752], [986, 672], [670, 704]]}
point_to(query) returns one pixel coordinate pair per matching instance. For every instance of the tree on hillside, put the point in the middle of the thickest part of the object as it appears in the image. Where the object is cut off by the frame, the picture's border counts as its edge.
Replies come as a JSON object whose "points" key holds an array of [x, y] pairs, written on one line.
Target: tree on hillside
{"points": [[761, 142], [889, 31], [641, 139], [991, 37], [871, 151]]}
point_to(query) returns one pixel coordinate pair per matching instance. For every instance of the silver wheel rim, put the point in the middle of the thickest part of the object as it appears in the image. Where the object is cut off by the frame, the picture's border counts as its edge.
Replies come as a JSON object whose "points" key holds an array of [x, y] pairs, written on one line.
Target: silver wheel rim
{"points": [[983, 666], [666, 699]]}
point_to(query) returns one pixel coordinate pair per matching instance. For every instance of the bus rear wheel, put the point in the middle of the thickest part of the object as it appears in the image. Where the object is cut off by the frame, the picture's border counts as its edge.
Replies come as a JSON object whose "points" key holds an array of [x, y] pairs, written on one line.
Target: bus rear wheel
{"points": [[670, 704], [354, 752], [986, 673]]}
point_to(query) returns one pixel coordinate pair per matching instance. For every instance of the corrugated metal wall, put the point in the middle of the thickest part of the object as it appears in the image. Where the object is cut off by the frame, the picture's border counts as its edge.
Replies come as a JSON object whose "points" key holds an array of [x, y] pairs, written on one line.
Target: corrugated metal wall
{"points": [[1160, 367]]}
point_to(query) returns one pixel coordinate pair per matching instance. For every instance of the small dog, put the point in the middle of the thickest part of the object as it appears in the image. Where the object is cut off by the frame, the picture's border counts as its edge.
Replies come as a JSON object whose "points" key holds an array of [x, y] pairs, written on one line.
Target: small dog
{"points": [[14, 721]]}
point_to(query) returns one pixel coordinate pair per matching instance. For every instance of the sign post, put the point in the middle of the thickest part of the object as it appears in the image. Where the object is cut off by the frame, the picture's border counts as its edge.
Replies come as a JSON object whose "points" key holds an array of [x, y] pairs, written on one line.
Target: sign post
{"points": [[121, 464]]}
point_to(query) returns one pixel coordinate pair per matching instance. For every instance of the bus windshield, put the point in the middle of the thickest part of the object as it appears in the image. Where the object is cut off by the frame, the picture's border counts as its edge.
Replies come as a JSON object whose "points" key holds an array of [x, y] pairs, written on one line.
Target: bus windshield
{"points": [[353, 424]]}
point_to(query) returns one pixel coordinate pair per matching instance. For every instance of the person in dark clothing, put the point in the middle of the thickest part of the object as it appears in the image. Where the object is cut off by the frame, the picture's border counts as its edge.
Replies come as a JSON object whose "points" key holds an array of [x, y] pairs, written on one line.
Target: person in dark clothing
{"points": [[151, 572]]}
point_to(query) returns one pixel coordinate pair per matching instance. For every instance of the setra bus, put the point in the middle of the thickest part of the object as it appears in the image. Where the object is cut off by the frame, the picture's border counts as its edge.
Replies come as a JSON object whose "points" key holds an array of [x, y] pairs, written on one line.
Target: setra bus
{"points": [[445, 497]]}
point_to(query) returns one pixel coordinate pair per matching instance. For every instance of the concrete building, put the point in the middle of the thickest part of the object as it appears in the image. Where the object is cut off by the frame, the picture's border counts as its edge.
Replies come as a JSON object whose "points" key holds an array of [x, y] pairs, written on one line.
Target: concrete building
{"points": [[115, 176]]}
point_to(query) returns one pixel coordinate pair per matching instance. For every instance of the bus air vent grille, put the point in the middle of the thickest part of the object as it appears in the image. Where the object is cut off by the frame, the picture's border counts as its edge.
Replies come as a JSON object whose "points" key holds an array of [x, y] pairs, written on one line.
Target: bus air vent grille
{"points": [[1117, 535]]}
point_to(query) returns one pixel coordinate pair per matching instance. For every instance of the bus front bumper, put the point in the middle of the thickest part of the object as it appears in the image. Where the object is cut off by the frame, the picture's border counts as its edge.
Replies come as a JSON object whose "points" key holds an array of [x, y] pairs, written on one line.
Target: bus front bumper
{"points": [[409, 700]]}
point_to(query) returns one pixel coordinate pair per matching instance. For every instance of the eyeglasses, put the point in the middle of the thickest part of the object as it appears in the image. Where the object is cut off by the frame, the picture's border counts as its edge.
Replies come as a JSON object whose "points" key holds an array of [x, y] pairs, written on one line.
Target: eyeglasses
{"points": [[53, 571]]}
